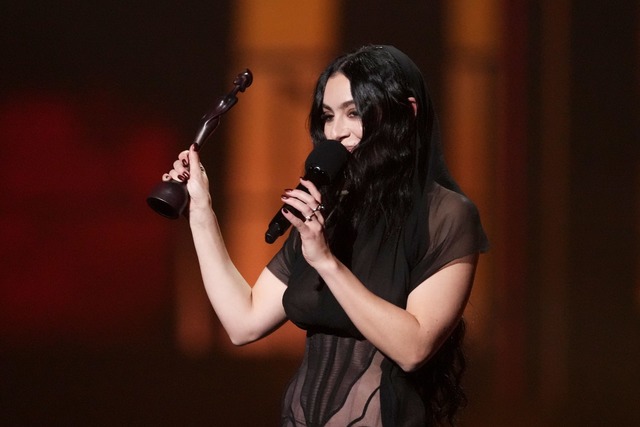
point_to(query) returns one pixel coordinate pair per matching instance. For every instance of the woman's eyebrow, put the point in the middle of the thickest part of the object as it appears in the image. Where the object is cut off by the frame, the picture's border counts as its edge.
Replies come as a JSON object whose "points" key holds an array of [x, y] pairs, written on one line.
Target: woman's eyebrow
{"points": [[344, 105]]}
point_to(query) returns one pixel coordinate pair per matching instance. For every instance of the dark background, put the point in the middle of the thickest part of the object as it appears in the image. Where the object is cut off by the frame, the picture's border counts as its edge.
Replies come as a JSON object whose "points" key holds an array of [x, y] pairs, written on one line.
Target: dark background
{"points": [[96, 96]]}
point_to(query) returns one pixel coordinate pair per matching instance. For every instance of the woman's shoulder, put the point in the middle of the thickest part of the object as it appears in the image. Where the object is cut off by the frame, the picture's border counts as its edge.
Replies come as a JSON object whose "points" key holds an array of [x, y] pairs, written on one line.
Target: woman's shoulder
{"points": [[447, 203], [453, 216]]}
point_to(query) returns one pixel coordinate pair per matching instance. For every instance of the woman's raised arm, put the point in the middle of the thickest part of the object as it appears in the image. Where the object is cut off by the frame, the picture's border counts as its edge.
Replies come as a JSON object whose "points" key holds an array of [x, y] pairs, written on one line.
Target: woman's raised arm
{"points": [[246, 312]]}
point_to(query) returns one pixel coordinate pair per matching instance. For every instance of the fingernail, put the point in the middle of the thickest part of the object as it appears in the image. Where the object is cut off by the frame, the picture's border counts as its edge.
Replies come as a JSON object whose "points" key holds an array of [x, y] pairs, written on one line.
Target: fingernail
{"points": [[195, 146], [284, 197], [181, 177], [288, 190], [186, 175], [185, 163], [285, 210]]}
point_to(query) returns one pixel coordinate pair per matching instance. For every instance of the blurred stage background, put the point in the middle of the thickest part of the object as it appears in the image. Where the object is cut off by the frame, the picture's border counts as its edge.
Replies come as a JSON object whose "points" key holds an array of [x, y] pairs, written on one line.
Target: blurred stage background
{"points": [[103, 319]]}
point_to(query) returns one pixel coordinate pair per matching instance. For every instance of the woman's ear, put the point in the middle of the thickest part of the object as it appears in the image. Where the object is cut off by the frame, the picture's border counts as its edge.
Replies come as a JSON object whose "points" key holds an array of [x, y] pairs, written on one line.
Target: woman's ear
{"points": [[414, 104]]}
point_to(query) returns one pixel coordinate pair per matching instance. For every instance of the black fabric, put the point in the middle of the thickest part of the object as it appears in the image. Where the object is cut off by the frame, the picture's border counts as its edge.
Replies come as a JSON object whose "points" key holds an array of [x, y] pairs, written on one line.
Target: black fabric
{"points": [[443, 226], [389, 267]]}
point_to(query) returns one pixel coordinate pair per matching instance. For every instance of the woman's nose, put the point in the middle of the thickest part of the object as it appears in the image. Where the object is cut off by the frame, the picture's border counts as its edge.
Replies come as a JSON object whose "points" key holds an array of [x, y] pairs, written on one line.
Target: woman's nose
{"points": [[338, 131]]}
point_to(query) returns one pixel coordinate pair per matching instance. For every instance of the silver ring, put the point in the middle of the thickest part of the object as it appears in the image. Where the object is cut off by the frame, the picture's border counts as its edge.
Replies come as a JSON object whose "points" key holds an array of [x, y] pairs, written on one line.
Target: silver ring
{"points": [[310, 217], [318, 208]]}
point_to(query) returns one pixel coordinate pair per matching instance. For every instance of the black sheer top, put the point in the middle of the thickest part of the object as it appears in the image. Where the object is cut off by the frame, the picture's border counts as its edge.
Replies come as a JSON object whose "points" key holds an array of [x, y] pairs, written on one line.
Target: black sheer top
{"points": [[343, 379]]}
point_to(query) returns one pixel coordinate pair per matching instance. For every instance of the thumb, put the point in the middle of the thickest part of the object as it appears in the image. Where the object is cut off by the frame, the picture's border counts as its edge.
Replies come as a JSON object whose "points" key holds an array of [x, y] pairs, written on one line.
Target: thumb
{"points": [[194, 161]]}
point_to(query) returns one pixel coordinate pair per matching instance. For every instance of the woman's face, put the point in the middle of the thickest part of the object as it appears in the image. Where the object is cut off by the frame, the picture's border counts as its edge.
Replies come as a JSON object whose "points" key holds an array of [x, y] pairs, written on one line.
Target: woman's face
{"points": [[342, 121]]}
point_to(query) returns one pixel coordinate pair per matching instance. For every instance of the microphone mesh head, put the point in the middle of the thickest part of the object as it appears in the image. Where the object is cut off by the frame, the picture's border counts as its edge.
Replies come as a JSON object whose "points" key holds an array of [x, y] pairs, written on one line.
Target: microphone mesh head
{"points": [[329, 156]]}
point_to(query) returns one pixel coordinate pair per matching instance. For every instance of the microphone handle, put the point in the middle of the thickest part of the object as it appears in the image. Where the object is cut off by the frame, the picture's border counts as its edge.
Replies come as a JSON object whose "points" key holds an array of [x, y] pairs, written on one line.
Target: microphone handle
{"points": [[279, 224]]}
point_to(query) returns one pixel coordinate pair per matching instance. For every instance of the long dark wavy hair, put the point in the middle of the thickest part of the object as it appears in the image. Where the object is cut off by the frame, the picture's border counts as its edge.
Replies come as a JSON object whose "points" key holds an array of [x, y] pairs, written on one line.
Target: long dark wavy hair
{"points": [[379, 179], [379, 175]]}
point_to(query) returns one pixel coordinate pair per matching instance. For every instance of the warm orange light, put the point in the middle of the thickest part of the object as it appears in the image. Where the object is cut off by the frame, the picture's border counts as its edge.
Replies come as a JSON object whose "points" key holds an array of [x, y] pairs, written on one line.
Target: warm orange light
{"points": [[285, 44]]}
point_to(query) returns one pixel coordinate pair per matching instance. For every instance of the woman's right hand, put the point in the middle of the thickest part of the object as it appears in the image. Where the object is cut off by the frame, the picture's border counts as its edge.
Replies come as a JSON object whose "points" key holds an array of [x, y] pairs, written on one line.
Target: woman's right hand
{"points": [[188, 169]]}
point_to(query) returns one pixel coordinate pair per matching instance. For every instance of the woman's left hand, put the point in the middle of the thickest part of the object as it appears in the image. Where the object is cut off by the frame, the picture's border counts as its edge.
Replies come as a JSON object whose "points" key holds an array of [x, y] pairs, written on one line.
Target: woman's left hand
{"points": [[314, 245]]}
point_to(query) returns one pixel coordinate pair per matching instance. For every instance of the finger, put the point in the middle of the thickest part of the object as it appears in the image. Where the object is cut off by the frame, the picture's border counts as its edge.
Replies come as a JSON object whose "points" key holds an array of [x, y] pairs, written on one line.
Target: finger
{"points": [[309, 199], [309, 222], [294, 220], [194, 159], [319, 208], [184, 158], [319, 217], [179, 166], [311, 217], [300, 205], [313, 190], [177, 176], [179, 172]]}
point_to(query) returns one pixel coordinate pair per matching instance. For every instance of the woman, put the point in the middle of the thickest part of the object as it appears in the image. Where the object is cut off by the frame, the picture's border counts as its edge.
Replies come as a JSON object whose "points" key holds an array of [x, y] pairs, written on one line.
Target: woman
{"points": [[380, 270]]}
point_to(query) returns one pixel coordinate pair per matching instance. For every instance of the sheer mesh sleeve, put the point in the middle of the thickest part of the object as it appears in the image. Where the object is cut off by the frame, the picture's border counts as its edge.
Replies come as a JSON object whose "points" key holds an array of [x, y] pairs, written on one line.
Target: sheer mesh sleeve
{"points": [[282, 262], [454, 232]]}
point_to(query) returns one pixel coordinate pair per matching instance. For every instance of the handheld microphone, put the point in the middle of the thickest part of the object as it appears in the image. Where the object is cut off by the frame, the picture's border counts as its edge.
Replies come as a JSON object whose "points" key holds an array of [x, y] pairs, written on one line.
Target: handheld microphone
{"points": [[322, 165]]}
